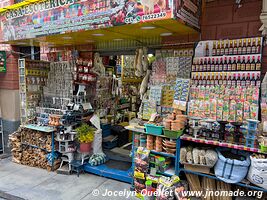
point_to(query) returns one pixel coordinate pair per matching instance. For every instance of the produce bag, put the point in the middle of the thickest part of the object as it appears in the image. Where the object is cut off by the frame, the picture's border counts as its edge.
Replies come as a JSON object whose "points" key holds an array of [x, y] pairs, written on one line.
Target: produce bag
{"points": [[258, 172], [231, 170]]}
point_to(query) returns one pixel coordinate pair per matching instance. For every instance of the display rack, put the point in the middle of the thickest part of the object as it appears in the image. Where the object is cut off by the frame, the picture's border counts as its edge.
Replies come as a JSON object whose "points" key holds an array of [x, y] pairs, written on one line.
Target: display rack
{"points": [[179, 168], [48, 130], [32, 77], [220, 144]]}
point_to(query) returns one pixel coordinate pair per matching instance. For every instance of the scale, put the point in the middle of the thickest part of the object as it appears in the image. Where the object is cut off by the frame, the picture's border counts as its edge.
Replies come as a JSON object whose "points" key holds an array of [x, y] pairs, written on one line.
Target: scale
{"points": [[222, 130], [237, 134], [209, 131], [195, 126]]}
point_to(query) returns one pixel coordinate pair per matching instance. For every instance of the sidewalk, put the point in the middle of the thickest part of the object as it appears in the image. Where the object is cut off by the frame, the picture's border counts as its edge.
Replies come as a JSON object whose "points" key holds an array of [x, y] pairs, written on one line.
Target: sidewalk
{"points": [[23, 182]]}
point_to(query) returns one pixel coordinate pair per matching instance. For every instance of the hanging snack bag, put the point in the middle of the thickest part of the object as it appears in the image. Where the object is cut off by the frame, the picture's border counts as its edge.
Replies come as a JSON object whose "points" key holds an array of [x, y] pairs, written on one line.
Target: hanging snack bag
{"points": [[225, 111], [246, 110], [239, 111], [232, 111], [213, 108], [254, 109], [219, 111]]}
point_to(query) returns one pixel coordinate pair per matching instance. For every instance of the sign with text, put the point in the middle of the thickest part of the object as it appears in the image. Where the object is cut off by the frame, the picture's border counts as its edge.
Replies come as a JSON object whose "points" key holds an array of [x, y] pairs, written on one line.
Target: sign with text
{"points": [[62, 16], [2, 61]]}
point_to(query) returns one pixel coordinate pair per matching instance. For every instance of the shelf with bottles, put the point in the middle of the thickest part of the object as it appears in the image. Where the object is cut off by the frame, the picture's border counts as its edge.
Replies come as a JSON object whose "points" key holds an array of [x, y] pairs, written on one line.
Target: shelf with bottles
{"points": [[227, 63], [234, 78], [233, 47]]}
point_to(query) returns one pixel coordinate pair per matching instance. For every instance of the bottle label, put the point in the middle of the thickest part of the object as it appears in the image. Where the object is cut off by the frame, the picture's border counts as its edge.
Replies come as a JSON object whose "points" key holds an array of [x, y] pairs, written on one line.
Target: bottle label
{"points": [[214, 52], [233, 82], [204, 82], [229, 82], [230, 51], [229, 67], [235, 51], [193, 68], [238, 82], [248, 82], [244, 50], [258, 66], [226, 51], [253, 66], [208, 82], [243, 67], [208, 67], [200, 82], [220, 67], [216, 68], [225, 67], [212, 68], [258, 83], [224, 82], [233, 67], [220, 82], [218, 52], [238, 67], [249, 50], [204, 68], [239, 50], [253, 83], [212, 82], [200, 68], [248, 68], [216, 81], [253, 49], [222, 51], [243, 83]]}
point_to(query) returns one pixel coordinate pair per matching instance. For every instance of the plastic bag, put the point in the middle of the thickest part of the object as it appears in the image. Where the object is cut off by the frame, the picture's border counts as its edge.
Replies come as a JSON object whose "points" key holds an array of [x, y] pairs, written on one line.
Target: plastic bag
{"points": [[97, 143]]}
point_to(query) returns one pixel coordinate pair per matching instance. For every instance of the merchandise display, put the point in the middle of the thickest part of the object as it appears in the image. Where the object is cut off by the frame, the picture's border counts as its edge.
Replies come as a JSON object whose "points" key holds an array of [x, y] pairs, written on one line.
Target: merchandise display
{"points": [[189, 111]]}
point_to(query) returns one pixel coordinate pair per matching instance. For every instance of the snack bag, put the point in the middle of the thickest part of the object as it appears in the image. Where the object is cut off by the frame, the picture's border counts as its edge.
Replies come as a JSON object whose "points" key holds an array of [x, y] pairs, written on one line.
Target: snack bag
{"points": [[213, 109], [219, 111], [254, 109], [225, 110], [246, 110], [232, 111], [239, 111]]}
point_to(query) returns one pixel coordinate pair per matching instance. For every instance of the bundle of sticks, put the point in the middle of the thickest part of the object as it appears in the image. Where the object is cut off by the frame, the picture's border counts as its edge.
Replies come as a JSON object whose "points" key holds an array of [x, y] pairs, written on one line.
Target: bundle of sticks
{"points": [[24, 153]]}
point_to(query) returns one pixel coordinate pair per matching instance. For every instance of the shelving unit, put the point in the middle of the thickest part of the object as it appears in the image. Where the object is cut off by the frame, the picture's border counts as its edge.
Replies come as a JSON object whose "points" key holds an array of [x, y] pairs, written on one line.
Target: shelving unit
{"points": [[178, 167], [220, 144], [48, 130], [32, 78]]}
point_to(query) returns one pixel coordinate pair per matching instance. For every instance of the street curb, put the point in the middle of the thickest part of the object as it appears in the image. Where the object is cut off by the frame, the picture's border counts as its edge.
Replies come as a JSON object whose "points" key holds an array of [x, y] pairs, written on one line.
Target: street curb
{"points": [[7, 196]]}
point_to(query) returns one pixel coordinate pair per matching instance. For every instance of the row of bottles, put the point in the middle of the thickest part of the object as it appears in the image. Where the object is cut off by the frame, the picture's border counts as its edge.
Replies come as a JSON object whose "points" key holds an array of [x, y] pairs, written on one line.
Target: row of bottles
{"points": [[235, 63], [234, 47], [224, 78]]}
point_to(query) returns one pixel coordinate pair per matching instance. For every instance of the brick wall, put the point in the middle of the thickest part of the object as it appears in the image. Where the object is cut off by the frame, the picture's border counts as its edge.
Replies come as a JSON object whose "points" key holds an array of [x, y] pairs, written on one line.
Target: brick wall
{"points": [[9, 79], [222, 19]]}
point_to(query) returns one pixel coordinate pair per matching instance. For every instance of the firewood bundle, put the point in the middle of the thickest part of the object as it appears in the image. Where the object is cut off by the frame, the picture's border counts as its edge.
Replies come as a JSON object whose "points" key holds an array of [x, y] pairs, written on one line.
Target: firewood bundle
{"points": [[23, 152], [37, 138], [15, 143]]}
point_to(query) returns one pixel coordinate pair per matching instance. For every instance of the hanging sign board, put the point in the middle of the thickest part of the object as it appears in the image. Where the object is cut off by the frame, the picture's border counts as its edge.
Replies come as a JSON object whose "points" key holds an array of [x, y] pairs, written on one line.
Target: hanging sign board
{"points": [[51, 17], [2, 61]]}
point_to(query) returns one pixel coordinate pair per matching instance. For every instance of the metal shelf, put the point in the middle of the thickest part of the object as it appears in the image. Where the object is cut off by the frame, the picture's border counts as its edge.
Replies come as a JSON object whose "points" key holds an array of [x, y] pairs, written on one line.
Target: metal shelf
{"points": [[162, 154], [220, 144]]}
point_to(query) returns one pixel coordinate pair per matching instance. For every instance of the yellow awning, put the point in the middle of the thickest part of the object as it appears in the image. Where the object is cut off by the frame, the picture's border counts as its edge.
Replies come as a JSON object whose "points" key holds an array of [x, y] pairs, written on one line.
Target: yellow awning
{"points": [[17, 5]]}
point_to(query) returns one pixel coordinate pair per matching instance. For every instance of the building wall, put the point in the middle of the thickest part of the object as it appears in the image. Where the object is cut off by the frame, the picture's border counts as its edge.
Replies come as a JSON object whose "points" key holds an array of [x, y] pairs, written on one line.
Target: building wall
{"points": [[9, 88], [222, 19]]}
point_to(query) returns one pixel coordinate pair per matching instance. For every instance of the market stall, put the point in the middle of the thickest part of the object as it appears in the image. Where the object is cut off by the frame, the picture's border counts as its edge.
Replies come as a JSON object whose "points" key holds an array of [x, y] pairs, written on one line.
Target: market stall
{"points": [[110, 86]]}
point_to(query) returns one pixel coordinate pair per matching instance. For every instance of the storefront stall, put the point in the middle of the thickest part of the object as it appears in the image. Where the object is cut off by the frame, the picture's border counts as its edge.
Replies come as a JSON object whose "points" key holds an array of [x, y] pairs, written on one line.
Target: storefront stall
{"points": [[107, 63]]}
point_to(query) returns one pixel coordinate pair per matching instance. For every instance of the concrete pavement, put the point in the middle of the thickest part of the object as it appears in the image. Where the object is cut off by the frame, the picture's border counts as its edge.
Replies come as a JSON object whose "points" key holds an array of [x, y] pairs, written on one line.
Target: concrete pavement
{"points": [[23, 182]]}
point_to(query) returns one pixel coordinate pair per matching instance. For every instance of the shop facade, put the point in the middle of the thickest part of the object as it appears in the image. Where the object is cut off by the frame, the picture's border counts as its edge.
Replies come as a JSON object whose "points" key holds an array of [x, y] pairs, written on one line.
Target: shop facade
{"points": [[129, 33]]}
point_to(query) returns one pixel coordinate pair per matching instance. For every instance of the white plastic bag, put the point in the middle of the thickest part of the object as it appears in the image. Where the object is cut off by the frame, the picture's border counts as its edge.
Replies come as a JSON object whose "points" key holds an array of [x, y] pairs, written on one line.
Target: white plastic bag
{"points": [[97, 143], [258, 172]]}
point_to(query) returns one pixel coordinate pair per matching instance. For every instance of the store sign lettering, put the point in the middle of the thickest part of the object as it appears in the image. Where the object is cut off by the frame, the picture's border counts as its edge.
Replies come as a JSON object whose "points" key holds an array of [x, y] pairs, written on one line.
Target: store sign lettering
{"points": [[37, 7]]}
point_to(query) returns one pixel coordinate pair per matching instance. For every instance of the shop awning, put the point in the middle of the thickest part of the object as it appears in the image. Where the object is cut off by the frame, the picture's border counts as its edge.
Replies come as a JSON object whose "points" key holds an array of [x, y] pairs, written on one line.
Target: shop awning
{"points": [[76, 22]]}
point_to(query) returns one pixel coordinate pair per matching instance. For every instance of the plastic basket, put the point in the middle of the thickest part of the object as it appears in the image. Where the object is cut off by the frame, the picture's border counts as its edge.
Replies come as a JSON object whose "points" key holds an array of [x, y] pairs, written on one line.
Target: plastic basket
{"points": [[263, 148], [153, 129], [173, 134]]}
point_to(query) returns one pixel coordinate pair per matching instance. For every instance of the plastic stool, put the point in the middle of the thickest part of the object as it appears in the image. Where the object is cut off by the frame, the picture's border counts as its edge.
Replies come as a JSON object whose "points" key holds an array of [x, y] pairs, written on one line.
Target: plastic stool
{"points": [[76, 166]]}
